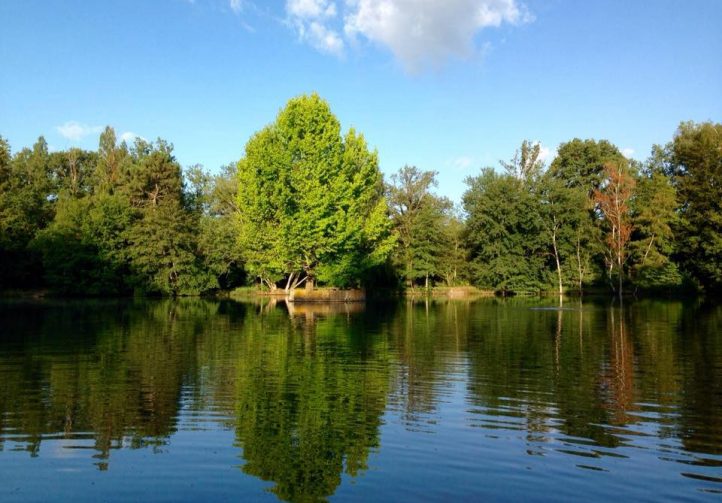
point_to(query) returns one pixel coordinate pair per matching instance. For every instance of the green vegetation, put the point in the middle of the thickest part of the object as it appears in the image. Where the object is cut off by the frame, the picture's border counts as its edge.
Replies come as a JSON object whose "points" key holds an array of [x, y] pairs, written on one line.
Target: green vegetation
{"points": [[307, 204], [310, 202]]}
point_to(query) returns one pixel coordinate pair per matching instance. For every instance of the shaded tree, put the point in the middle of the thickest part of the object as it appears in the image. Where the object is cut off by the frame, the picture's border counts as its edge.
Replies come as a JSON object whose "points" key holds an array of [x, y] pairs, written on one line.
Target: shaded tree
{"points": [[696, 170], [503, 233], [418, 217], [654, 213]]}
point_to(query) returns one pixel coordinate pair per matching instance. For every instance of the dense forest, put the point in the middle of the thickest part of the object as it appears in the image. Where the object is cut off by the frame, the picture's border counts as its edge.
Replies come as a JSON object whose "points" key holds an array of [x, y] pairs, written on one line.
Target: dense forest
{"points": [[307, 204]]}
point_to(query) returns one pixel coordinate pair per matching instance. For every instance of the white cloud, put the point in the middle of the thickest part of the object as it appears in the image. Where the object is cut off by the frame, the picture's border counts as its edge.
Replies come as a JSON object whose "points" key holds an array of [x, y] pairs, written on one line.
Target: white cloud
{"points": [[75, 131], [312, 21], [324, 39], [310, 9], [628, 152], [419, 32]]}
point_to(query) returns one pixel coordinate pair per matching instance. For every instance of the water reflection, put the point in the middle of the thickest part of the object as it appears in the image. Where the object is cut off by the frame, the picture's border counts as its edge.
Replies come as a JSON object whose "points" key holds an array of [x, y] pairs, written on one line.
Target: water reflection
{"points": [[313, 394]]}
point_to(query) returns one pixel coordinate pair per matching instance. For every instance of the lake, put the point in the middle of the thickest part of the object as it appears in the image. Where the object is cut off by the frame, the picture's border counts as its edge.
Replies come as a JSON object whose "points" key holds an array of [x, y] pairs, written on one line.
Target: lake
{"points": [[495, 399]]}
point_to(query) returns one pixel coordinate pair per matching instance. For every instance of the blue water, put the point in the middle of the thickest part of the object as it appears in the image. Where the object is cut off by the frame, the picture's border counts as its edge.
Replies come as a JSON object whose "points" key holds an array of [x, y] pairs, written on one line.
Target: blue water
{"points": [[200, 400]]}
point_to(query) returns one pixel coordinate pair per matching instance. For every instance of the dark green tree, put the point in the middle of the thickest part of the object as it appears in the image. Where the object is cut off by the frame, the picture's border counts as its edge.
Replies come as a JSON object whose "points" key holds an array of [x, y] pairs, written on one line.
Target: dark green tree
{"points": [[654, 214], [27, 204], [419, 218], [696, 170], [580, 163], [504, 233]]}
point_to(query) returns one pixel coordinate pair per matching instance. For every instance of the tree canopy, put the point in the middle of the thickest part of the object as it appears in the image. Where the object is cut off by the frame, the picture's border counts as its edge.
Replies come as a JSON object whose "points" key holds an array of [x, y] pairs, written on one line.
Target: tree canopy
{"points": [[307, 203], [311, 203]]}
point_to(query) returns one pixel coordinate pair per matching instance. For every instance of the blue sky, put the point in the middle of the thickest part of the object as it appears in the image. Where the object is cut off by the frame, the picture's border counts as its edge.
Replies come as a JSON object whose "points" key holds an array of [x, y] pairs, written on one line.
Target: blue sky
{"points": [[446, 85]]}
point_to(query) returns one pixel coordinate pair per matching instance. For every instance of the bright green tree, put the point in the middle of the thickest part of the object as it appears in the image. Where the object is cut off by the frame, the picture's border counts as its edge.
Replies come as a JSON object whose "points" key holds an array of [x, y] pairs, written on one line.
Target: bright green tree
{"points": [[310, 202], [113, 162]]}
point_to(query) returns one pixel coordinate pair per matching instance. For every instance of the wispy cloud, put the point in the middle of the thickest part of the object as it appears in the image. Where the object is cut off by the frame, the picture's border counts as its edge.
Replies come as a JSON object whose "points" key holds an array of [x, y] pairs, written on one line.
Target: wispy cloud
{"points": [[76, 131], [313, 20], [419, 33], [628, 152], [461, 163], [237, 5]]}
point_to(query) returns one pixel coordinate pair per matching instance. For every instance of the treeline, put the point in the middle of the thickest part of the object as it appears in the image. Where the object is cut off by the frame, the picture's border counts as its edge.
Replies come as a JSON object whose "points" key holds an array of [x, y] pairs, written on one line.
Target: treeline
{"points": [[307, 204], [120, 220], [591, 219]]}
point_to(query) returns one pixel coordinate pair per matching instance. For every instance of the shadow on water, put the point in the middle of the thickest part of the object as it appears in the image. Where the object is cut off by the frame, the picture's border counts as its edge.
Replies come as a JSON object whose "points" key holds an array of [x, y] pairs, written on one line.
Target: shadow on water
{"points": [[312, 393]]}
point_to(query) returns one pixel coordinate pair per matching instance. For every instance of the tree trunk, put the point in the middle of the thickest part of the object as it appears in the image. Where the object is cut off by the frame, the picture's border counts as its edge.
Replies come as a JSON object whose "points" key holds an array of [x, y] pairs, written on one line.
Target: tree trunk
{"points": [[310, 282], [579, 267], [559, 267], [289, 282]]}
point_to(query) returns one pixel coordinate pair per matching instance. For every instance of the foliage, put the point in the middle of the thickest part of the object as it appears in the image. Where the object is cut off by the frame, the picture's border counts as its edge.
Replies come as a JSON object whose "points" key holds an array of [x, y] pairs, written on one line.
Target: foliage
{"points": [[580, 163], [563, 217], [503, 233], [421, 221], [696, 169], [613, 199], [654, 214], [310, 202]]}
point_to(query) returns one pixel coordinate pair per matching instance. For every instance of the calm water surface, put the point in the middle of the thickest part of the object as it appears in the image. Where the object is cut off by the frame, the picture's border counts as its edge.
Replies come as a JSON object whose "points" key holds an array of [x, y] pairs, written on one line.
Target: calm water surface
{"points": [[503, 400]]}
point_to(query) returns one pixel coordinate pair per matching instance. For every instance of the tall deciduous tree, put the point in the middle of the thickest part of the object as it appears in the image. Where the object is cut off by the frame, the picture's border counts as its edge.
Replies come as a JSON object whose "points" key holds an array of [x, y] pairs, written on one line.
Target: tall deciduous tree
{"points": [[696, 169], [419, 218], [27, 205], [562, 212], [452, 266], [310, 202], [580, 163], [613, 198], [113, 163], [504, 233], [654, 213]]}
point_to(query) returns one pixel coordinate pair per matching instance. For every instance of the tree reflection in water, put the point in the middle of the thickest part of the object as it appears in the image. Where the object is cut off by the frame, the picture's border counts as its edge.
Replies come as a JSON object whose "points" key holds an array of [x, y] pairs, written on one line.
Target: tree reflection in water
{"points": [[306, 390]]}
